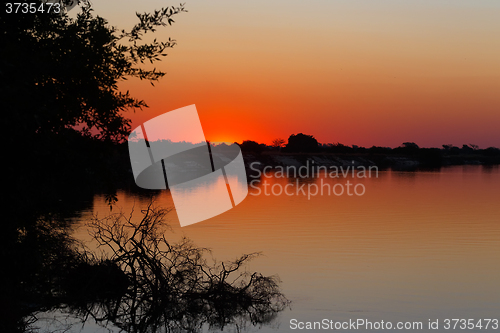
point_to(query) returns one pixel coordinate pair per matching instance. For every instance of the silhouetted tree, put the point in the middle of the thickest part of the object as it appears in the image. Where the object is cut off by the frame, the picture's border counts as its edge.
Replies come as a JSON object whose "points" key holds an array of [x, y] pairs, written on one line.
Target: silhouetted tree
{"points": [[379, 150], [410, 145], [466, 149], [61, 107], [249, 146], [302, 143], [59, 73], [278, 143], [338, 148], [491, 151], [407, 148], [169, 287]]}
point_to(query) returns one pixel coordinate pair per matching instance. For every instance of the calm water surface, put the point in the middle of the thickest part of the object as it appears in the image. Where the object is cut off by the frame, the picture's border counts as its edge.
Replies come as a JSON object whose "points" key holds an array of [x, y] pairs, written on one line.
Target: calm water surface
{"points": [[415, 246]]}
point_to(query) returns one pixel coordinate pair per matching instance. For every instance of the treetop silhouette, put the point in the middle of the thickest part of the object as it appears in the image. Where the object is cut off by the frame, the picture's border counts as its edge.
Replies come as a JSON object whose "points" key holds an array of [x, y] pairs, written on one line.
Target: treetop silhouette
{"points": [[60, 73]]}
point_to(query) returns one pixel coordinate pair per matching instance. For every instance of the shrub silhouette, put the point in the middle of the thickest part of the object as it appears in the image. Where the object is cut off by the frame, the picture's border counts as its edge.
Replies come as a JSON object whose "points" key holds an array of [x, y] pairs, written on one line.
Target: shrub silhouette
{"points": [[172, 286], [302, 143], [249, 146]]}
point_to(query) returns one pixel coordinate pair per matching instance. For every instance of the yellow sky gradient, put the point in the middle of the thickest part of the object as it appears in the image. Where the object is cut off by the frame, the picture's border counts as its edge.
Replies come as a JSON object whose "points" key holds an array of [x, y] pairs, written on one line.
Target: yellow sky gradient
{"points": [[355, 72]]}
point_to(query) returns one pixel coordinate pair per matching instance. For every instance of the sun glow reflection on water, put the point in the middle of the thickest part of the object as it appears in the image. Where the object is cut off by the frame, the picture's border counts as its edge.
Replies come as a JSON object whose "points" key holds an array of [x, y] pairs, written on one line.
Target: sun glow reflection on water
{"points": [[415, 246]]}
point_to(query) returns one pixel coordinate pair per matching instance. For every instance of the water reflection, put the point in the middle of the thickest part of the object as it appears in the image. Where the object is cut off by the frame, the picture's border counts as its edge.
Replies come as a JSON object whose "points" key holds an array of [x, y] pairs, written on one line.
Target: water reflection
{"points": [[146, 283], [415, 246]]}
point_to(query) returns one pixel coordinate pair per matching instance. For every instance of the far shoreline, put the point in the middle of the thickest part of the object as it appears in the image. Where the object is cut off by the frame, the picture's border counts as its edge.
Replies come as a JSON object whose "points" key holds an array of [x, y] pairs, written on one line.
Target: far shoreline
{"points": [[394, 161]]}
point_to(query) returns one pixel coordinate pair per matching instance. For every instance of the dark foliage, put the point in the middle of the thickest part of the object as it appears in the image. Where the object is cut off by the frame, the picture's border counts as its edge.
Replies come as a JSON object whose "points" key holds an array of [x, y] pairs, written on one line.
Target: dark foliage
{"points": [[149, 284], [301, 143], [249, 146], [58, 72], [63, 117]]}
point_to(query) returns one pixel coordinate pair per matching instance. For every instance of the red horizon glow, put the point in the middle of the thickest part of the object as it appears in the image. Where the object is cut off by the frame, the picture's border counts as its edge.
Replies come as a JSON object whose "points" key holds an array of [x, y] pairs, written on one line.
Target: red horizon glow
{"points": [[359, 73]]}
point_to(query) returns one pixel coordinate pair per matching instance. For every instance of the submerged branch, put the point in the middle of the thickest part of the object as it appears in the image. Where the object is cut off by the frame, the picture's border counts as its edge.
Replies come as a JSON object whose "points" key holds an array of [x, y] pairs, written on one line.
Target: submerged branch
{"points": [[159, 285]]}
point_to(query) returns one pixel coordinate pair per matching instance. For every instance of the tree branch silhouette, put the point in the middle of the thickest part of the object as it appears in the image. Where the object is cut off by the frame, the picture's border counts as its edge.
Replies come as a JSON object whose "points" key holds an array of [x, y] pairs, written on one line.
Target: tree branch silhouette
{"points": [[173, 286]]}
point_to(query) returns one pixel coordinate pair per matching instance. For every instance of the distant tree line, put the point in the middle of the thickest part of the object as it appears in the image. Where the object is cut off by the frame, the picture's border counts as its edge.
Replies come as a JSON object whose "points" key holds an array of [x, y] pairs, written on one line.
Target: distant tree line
{"points": [[308, 144], [304, 143]]}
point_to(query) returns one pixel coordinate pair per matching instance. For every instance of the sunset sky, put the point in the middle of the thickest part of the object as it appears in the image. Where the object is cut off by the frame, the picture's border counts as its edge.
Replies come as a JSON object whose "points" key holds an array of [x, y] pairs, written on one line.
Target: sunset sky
{"points": [[356, 72]]}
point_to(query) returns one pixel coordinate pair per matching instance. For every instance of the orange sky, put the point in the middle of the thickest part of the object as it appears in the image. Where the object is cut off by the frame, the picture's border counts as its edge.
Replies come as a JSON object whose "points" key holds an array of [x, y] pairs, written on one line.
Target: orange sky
{"points": [[355, 72]]}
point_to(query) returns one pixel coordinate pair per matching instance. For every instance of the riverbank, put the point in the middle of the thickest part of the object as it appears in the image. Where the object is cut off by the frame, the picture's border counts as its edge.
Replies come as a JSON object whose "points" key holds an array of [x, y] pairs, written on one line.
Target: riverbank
{"points": [[429, 159]]}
